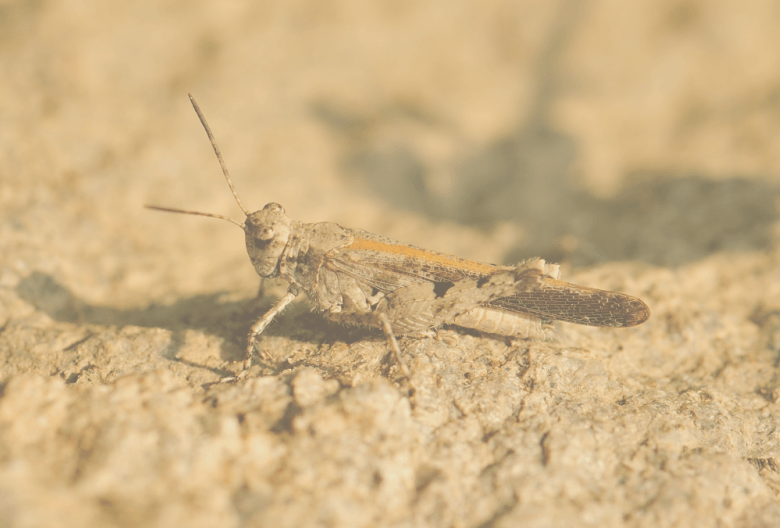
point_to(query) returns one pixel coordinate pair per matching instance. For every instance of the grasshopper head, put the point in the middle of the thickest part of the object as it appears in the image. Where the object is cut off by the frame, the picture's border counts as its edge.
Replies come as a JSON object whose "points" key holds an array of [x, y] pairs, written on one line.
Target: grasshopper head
{"points": [[267, 232]]}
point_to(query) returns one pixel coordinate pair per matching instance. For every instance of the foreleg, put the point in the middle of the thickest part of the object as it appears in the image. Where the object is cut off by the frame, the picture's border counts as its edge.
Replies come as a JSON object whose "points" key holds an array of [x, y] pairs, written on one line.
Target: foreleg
{"points": [[264, 321]]}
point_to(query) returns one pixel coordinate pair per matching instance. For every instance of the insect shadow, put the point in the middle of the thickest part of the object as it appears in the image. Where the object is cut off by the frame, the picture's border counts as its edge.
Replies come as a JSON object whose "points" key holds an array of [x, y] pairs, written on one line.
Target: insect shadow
{"points": [[209, 313]]}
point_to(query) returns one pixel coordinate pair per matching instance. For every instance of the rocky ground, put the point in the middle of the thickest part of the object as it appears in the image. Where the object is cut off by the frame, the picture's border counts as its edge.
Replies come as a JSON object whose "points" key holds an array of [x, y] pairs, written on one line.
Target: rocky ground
{"points": [[638, 144]]}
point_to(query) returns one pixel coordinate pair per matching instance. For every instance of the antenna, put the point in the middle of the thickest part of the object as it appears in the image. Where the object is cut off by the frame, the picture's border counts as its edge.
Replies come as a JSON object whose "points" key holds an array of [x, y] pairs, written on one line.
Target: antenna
{"points": [[224, 171], [216, 151], [198, 213]]}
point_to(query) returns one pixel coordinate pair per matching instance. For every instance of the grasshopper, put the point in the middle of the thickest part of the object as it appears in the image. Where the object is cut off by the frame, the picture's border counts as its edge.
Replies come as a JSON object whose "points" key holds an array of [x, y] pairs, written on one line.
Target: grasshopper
{"points": [[356, 277]]}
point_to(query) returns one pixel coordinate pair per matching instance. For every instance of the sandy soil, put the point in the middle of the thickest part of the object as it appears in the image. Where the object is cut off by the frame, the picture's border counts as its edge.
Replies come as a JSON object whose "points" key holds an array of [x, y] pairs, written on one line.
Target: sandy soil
{"points": [[637, 143]]}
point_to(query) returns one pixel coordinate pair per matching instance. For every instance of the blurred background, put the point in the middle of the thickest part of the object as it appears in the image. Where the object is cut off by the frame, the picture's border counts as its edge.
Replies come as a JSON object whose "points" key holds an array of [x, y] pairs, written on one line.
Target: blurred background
{"points": [[579, 131]]}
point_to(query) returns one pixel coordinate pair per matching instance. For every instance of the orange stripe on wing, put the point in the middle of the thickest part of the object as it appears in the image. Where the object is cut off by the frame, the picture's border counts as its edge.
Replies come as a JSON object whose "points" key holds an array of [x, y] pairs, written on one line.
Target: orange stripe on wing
{"points": [[424, 255]]}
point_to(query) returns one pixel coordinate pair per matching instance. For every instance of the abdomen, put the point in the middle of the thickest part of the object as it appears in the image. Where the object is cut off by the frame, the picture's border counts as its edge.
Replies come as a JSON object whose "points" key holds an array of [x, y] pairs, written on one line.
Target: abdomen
{"points": [[500, 322]]}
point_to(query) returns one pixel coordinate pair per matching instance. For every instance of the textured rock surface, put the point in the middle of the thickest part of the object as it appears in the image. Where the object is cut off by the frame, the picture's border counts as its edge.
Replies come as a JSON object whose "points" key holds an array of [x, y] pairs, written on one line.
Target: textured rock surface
{"points": [[637, 143]]}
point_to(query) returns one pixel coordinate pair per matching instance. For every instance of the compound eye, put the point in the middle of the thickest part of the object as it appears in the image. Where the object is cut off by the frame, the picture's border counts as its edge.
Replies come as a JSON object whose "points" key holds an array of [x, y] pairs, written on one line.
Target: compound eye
{"points": [[274, 207], [260, 242]]}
